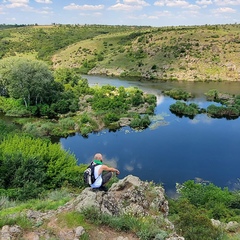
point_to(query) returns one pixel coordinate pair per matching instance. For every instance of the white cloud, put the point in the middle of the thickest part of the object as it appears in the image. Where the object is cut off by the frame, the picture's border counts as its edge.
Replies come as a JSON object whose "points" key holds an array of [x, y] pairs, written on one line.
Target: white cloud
{"points": [[204, 2], [74, 6], [124, 7], [129, 5], [193, 7], [227, 2], [96, 14], [43, 1], [160, 99], [176, 3], [45, 12], [136, 2], [224, 10], [16, 3], [159, 3], [171, 3]]}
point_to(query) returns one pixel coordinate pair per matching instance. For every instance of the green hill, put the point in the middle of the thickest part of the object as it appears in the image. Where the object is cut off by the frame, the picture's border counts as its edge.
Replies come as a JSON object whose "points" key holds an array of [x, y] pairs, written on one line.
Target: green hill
{"points": [[196, 53]]}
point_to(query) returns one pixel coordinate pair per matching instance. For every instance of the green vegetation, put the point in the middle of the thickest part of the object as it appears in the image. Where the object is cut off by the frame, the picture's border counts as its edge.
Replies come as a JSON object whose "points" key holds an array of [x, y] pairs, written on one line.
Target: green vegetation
{"points": [[145, 228], [182, 109], [37, 174], [43, 41], [178, 94], [168, 53], [230, 108], [230, 104], [194, 53], [30, 166], [29, 89], [11, 211], [200, 202], [55, 104]]}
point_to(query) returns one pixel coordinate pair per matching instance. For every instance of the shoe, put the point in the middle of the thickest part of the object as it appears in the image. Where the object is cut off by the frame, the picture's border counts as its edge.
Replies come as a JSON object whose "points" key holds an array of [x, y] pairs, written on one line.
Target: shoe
{"points": [[94, 189], [103, 188]]}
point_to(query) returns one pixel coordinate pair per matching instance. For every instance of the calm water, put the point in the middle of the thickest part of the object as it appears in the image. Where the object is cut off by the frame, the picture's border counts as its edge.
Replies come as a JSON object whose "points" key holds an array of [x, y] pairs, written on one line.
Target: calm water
{"points": [[173, 149]]}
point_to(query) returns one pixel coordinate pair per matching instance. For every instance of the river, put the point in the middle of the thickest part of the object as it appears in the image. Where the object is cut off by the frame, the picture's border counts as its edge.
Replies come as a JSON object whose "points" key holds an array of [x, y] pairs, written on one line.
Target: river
{"points": [[172, 150]]}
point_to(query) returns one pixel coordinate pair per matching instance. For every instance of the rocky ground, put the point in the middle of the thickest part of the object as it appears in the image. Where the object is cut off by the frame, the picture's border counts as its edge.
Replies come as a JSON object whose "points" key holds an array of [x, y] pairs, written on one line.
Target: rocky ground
{"points": [[128, 196]]}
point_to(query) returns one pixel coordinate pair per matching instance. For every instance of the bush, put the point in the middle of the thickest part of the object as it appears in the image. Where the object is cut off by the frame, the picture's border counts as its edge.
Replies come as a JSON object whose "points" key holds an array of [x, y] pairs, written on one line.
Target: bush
{"points": [[67, 124], [208, 196], [140, 122], [182, 109], [178, 94], [30, 165], [110, 118], [5, 129], [221, 111], [137, 98], [193, 223], [9, 103]]}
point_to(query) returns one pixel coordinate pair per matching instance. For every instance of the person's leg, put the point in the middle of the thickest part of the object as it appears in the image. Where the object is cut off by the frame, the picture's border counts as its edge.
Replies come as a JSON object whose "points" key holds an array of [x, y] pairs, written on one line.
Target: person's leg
{"points": [[106, 177]]}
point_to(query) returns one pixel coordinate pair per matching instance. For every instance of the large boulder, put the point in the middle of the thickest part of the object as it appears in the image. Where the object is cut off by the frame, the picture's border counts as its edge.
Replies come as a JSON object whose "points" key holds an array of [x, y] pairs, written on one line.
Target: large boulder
{"points": [[128, 196]]}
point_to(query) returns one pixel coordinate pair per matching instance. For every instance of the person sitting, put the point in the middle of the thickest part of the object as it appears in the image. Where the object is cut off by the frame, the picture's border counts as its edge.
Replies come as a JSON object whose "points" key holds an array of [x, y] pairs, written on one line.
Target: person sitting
{"points": [[102, 178]]}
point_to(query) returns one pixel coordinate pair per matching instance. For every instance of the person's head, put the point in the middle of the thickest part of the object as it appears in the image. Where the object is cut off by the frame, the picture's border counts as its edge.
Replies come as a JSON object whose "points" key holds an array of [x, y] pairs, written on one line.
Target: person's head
{"points": [[98, 156]]}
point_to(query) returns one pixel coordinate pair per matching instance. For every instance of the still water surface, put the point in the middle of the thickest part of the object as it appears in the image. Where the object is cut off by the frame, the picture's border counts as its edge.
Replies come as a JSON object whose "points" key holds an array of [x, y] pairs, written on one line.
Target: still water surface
{"points": [[172, 150]]}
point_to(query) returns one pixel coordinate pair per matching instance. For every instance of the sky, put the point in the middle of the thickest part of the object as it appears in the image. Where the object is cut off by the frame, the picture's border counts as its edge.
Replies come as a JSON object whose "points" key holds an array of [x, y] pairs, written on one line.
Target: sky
{"points": [[120, 12]]}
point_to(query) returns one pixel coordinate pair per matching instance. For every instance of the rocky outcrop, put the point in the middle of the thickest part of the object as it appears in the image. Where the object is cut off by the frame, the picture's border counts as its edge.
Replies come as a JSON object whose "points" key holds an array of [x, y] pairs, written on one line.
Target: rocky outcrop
{"points": [[128, 196]]}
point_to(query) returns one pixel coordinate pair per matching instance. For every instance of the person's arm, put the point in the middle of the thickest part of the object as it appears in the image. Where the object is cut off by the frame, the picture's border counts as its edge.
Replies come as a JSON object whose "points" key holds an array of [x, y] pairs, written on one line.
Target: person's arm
{"points": [[108, 169]]}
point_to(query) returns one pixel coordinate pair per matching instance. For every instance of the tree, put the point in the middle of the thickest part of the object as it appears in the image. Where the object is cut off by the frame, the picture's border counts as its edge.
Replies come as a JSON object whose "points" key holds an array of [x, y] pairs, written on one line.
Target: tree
{"points": [[27, 79]]}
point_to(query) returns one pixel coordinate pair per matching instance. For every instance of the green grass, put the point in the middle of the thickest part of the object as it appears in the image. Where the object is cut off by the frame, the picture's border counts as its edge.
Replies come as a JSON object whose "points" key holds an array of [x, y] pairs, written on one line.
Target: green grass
{"points": [[51, 201], [19, 220], [145, 228], [73, 220]]}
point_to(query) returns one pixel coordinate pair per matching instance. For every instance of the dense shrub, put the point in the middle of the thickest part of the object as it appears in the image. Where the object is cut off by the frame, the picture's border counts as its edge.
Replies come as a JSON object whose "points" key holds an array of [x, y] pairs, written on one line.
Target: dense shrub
{"points": [[110, 118], [197, 204], [222, 111], [137, 98], [178, 94], [30, 165], [7, 104], [182, 109], [5, 129], [140, 122], [210, 197], [194, 224]]}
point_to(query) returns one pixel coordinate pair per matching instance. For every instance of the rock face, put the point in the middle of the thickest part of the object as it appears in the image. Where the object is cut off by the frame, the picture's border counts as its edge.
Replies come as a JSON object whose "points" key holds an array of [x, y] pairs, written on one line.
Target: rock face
{"points": [[128, 196]]}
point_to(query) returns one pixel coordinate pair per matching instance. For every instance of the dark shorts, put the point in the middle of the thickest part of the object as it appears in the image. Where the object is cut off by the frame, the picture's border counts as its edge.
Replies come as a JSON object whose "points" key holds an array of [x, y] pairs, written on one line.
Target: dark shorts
{"points": [[106, 177]]}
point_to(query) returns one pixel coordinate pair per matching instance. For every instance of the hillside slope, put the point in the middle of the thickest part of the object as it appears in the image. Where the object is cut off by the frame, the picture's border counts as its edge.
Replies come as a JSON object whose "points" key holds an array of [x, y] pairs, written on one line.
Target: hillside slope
{"points": [[201, 53], [192, 53]]}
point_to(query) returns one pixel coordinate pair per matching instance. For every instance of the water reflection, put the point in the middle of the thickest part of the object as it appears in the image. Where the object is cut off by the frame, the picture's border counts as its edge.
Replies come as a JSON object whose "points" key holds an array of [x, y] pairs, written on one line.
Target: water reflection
{"points": [[172, 150]]}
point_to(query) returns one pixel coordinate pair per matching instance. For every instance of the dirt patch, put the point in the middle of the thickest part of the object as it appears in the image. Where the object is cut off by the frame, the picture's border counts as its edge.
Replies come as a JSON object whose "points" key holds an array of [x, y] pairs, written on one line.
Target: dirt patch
{"points": [[54, 230], [103, 233]]}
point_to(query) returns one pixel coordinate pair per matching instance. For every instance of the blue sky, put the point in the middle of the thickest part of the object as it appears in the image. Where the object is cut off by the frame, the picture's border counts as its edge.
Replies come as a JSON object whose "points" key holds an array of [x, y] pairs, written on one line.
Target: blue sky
{"points": [[120, 12]]}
